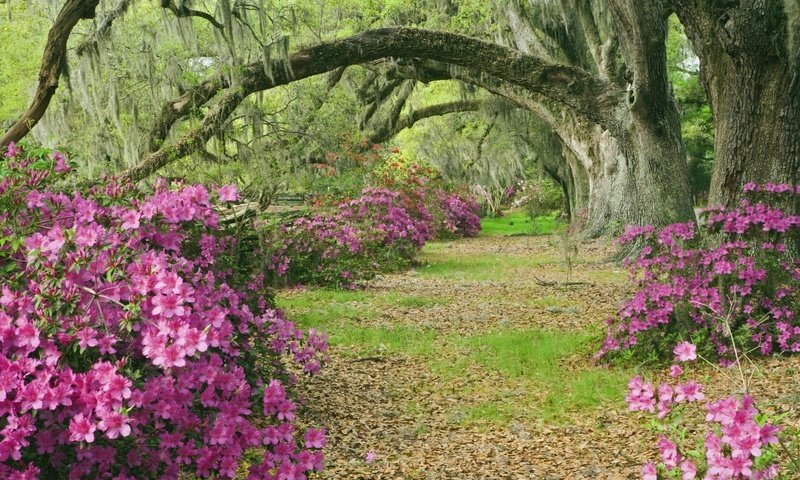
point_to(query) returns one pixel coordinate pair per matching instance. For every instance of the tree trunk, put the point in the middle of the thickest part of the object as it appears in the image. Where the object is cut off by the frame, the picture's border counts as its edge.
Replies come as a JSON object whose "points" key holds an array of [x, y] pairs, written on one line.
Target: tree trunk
{"points": [[758, 130], [629, 182], [750, 68]]}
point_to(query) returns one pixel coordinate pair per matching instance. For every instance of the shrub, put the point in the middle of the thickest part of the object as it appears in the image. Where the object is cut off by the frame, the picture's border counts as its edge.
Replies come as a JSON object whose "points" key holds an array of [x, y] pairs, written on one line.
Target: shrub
{"points": [[734, 279], [539, 197], [353, 242], [459, 215], [132, 343]]}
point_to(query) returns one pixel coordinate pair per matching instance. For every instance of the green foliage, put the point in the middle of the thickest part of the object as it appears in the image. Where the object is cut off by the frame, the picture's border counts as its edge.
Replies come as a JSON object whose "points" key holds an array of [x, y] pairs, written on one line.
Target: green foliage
{"points": [[23, 40], [697, 127], [540, 197]]}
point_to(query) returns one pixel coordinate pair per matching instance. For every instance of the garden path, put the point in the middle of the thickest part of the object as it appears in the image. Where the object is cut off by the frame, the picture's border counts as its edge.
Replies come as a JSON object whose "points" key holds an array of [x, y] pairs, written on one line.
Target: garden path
{"points": [[468, 367]]}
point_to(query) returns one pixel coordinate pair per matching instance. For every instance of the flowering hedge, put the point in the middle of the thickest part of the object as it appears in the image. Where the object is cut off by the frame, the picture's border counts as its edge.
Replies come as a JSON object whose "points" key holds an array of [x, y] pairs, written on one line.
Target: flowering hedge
{"points": [[379, 231], [351, 242], [132, 343], [734, 279]]}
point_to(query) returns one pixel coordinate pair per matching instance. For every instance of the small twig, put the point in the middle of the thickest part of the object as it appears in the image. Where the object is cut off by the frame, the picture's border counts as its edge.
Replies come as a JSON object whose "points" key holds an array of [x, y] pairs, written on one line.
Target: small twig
{"points": [[549, 283], [368, 359]]}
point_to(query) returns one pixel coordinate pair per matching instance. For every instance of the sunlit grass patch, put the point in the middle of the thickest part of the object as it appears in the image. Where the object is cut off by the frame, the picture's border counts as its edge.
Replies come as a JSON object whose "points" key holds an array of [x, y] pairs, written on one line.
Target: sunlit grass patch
{"points": [[591, 388], [417, 342], [490, 412], [541, 387], [531, 354], [516, 222], [326, 308]]}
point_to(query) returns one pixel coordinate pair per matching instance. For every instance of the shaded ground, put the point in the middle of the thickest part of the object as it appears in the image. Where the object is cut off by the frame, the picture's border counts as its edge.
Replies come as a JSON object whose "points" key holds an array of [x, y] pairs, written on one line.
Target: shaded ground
{"points": [[469, 368]]}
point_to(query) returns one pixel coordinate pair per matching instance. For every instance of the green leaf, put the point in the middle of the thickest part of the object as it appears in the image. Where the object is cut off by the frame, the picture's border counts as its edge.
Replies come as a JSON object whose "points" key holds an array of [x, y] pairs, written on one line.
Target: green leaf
{"points": [[41, 164]]}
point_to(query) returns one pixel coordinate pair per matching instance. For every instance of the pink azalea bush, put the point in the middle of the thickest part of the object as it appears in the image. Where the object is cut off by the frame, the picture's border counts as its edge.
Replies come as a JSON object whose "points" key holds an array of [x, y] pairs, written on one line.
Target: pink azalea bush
{"points": [[459, 215], [731, 287], [348, 243], [738, 444], [132, 343], [730, 279], [381, 230]]}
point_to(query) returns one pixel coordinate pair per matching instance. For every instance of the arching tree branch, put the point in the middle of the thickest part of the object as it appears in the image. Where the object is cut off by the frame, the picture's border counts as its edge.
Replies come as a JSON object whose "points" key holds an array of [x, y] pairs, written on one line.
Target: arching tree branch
{"points": [[184, 11], [575, 88], [53, 63], [415, 116], [91, 41]]}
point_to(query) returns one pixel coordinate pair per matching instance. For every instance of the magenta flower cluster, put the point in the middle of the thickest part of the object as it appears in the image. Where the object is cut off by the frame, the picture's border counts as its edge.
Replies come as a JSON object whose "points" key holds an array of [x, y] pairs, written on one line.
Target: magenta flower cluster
{"points": [[460, 215], [381, 230], [734, 273], [736, 445], [129, 337]]}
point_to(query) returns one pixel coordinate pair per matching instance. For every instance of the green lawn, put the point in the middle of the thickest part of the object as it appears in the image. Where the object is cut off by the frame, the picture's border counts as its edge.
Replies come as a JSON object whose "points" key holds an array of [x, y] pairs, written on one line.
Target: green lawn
{"points": [[516, 222]]}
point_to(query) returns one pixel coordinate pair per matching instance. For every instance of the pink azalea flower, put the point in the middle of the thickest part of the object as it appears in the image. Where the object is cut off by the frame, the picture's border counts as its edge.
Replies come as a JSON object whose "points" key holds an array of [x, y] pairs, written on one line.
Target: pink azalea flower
{"points": [[115, 425], [228, 193], [61, 165], [669, 452], [130, 220], [370, 457], [13, 150], [688, 470], [685, 352], [641, 395], [649, 472], [675, 371], [81, 429], [168, 306], [315, 438], [689, 392]]}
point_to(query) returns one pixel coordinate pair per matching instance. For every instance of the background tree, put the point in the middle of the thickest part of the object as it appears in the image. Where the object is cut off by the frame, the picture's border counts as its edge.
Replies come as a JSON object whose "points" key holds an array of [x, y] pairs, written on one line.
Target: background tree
{"points": [[578, 52], [749, 55]]}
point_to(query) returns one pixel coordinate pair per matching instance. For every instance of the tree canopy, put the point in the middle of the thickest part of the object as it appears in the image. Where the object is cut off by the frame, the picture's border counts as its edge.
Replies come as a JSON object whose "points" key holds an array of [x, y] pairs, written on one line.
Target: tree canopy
{"points": [[608, 93]]}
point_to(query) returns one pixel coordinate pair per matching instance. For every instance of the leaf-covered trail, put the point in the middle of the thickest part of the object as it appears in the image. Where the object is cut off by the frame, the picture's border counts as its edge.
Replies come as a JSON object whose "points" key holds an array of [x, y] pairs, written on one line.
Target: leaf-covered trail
{"points": [[468, 367]]}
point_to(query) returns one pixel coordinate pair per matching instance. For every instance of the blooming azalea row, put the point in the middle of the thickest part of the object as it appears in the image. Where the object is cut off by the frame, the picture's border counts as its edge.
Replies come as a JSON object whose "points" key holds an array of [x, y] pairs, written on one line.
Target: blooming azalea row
{"points": [[734, 272], [378, 231], [129, 336], [737, 446]]}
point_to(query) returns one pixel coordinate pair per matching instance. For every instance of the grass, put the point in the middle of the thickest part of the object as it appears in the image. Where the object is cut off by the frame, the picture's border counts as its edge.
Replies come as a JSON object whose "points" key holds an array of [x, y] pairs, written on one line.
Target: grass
{"points": [[516, 222], [327, 308], [531, 354], [417, 342], [526, 374], [534, 361], [341, 314]]}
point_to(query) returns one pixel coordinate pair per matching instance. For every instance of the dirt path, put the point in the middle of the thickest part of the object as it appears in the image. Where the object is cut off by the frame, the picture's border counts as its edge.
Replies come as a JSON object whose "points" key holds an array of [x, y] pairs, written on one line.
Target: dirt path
{"points": [[409, 415], [482, 423]]}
